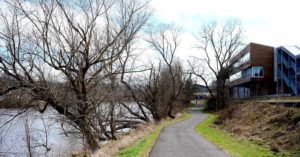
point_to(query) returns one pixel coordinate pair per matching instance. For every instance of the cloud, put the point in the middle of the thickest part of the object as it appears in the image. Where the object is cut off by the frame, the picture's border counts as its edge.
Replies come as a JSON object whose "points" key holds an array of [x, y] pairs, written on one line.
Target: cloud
{"points": [[267, 22], [271, 22]]}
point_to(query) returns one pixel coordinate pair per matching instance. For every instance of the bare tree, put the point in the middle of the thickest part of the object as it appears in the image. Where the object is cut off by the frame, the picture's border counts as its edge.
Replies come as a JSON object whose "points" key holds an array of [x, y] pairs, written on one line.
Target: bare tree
{"points": [[77, 40], [165, 39], [160, 88], [28, 138], [218, 42], [133, 87], [152, 93]]}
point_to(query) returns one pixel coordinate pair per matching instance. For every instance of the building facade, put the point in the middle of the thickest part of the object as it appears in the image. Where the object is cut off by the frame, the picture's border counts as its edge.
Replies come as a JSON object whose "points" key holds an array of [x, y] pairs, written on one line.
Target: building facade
{"points": [[287, 70], [254, 72], [200, 91]]}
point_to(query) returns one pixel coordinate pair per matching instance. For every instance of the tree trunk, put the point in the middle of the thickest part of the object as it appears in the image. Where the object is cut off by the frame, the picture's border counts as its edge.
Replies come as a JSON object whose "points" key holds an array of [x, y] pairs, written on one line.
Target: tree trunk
{"points": [[170, 109], [155, 115], [88, 134], [170, 114], [112, 121], [220, 102]]}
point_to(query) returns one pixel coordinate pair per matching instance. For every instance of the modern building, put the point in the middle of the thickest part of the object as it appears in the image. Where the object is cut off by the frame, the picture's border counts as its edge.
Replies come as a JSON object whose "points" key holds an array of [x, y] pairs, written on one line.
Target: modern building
{"points": [[197, 88], [254, 72], [287, 70], [200, 91]]}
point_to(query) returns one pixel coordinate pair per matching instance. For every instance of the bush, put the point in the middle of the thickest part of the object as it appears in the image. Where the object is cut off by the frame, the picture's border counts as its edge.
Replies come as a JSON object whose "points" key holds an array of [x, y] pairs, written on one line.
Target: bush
{"points": [[210, 104]]}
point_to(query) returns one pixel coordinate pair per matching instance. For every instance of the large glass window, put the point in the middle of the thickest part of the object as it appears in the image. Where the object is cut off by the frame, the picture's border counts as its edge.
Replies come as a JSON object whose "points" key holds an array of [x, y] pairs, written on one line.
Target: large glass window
{"points": [[235, 76], [242, 60], [257, 71], [247, 73]]}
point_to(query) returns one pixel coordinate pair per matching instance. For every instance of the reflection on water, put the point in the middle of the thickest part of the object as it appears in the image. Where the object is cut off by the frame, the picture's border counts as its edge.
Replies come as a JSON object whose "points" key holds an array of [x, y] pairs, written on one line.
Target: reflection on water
{"points": [[44, 134], [45, 131]]}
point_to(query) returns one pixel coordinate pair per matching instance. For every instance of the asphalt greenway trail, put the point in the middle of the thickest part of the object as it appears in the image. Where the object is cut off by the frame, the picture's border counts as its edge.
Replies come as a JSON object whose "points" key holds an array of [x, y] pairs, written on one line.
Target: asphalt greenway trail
{"points": [[181, 140]]}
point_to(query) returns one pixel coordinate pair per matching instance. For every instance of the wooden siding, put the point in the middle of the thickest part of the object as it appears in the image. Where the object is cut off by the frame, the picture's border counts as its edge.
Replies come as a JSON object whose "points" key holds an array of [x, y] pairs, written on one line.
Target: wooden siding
{"points": [[260, 55]]}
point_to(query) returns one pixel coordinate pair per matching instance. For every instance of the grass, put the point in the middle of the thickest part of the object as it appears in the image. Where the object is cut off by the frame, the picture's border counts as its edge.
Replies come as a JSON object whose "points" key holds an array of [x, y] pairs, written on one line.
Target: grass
{"points": [[234, 146], [192, 104], [142, 147]]}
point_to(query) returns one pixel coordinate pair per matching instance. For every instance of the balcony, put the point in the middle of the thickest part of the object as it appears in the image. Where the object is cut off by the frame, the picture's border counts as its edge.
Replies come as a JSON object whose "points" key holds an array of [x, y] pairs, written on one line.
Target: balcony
{"points": [[247, 75], [293, 86], [289, 63], [298, 68], [239, 81], [298, 87], [290, 81]]}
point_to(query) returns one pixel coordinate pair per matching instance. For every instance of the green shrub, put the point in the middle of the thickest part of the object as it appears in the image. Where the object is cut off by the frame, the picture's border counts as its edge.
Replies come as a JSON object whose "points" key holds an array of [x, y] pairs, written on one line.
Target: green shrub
{"points": [[210, 104]]}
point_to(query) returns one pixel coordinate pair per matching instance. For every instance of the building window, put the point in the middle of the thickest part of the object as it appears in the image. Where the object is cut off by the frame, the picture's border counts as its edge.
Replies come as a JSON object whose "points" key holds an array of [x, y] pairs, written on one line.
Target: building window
{"points": [[247, 73], [257, 71], [242, 60], [235, 76]]}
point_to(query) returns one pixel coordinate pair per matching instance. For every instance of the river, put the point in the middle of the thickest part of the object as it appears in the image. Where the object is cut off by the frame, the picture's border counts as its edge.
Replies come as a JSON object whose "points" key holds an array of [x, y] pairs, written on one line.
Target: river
{"points": [[46, 135], [45, 131]]}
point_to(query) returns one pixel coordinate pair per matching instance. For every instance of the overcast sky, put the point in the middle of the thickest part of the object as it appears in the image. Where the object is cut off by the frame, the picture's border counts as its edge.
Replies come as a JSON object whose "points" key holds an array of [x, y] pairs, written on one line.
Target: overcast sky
{"points": [[269, 22]]}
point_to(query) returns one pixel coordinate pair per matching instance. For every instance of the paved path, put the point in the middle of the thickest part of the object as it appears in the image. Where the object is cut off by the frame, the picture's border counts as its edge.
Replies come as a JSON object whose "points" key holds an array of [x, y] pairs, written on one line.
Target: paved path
{"points": [[181, 140]]}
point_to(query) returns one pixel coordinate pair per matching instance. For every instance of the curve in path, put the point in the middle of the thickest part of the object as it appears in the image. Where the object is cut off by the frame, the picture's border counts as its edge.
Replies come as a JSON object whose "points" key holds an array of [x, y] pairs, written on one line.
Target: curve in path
{"points": [[181, 140]]}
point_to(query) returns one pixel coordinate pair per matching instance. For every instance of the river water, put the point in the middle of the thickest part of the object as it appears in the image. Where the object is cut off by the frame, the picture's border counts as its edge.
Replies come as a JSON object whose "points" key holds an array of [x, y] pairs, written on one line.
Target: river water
{"points": [[46, 135]]}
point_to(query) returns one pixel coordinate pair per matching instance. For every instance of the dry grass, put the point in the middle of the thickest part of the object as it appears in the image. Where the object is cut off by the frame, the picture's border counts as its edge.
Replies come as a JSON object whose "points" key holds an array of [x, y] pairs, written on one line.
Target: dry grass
{"points": [[275, 126], [288, 99], [113, 147]]}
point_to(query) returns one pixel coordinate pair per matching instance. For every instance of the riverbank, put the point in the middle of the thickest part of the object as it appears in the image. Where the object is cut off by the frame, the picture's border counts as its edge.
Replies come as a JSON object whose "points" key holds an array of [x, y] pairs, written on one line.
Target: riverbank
{"points": [[233, 145], [139, 142], [255, 129]]}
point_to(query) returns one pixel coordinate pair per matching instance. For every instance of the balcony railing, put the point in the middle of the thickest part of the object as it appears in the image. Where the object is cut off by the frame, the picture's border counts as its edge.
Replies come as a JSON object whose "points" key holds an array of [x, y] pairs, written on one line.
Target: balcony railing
{"points": [[290, 81], [298, 87], [288, 64], [298, 68], [293, 86], [285, 78]]}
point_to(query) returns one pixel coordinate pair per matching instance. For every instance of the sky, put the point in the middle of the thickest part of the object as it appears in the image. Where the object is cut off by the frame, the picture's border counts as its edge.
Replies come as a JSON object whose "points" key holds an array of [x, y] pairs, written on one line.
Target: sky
{"points": [[268, 22]]}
